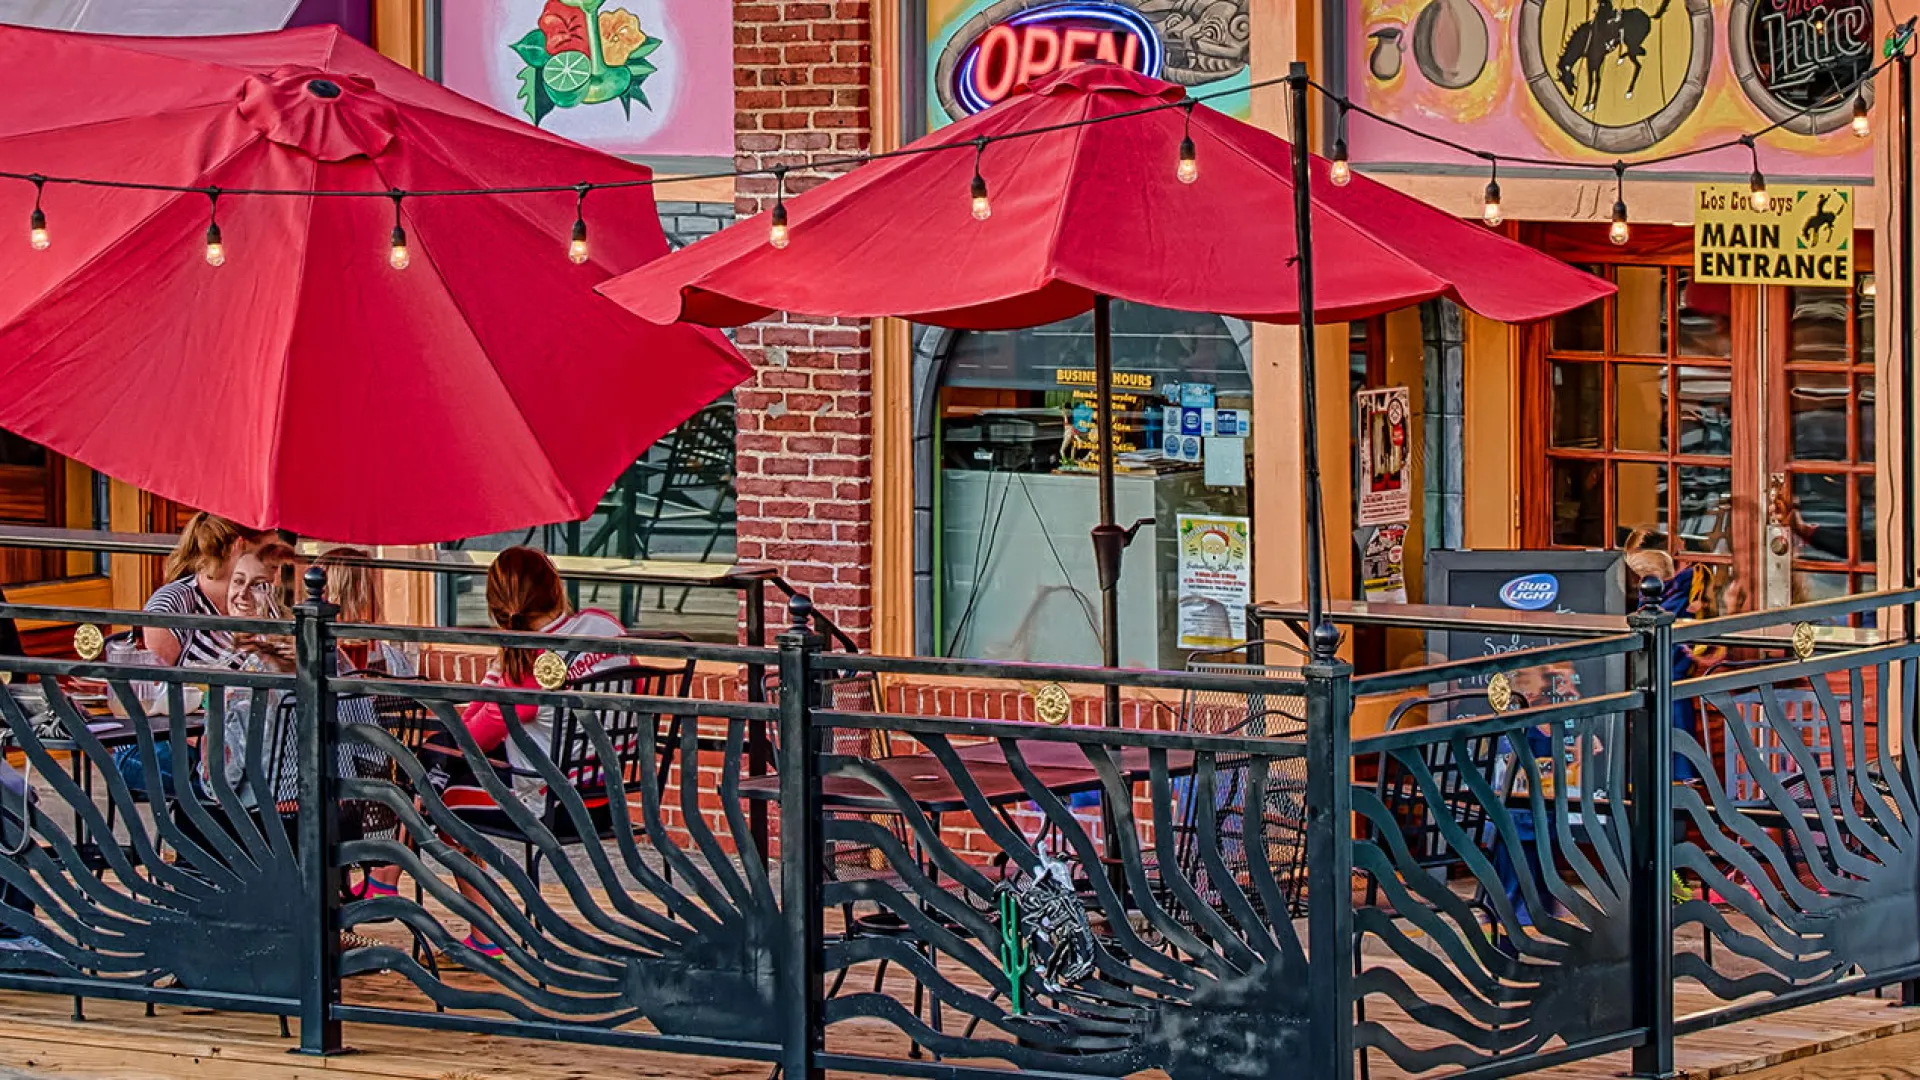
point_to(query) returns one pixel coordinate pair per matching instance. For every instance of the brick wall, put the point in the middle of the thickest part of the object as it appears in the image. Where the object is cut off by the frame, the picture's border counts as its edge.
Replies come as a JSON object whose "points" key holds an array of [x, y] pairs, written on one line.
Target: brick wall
{"points": [[980, 702], [805, 437]]}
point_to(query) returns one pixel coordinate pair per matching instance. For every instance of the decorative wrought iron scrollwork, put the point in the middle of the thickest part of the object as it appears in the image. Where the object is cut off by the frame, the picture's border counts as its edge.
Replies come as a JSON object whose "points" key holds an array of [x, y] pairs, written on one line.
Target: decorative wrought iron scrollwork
{"points": [[1802, 830], [1167, 945], [1495, 862]]}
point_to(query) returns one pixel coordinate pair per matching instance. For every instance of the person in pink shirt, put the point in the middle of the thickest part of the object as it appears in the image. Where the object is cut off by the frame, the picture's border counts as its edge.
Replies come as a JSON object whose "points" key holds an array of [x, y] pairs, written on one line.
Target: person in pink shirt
{"points": [[524, 593]]}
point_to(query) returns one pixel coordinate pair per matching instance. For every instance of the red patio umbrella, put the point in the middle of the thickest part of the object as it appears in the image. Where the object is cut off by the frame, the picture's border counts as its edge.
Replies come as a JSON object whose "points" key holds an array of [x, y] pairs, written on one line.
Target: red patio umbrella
{"points": [[1095, 211], [1080, 213], [305, 384]]}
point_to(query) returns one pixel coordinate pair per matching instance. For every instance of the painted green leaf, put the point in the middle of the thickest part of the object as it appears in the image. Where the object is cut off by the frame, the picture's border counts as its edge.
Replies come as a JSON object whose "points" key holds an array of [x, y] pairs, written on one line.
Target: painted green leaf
{"points": [[639, 95], [645, 50], [532, 48], [640, 69], [533, 95]]}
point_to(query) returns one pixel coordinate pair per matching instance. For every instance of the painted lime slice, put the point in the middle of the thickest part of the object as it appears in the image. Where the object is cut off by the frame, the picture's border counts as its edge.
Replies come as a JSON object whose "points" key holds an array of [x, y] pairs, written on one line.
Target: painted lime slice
{"points": [[566, 75]]}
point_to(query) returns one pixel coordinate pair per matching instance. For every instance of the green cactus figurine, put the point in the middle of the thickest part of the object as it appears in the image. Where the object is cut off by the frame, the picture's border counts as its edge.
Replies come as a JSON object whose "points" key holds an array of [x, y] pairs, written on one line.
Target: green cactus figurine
{"points": [[1015, 955]]}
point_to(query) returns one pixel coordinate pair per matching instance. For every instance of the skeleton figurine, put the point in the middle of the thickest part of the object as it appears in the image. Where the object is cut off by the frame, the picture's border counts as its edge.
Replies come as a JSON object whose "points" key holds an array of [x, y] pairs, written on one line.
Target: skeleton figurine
{"points": [[1048, 921]]}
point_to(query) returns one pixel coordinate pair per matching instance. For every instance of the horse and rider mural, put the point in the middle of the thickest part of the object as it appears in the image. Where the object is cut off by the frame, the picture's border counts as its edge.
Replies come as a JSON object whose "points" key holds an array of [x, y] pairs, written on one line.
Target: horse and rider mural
{"points": [[1595, 80]]}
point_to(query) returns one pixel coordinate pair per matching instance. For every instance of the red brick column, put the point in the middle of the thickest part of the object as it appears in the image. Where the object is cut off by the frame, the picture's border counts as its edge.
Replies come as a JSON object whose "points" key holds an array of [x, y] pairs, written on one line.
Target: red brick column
{"points": [[801, 72]]}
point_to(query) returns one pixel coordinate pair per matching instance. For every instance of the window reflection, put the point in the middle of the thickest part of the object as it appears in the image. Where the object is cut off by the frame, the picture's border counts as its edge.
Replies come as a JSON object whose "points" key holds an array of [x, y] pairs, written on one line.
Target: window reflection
{"points": [[1817, 406], [1578, 405], [1640, 311], [1640, 407], [1706, 509], [1582, 329], [1579, 503], [1817, 325], [1706, 410], [1822, 501], [1706, 317], [1640, 498]]}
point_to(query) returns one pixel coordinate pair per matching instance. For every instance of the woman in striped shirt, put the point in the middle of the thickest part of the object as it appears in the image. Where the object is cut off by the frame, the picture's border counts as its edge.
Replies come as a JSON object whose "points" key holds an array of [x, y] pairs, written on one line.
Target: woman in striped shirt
{"points": [[199, 573]]}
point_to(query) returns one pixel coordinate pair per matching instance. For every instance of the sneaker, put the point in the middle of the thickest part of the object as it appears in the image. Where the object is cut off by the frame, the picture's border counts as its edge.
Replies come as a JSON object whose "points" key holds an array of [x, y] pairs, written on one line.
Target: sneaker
{"points": [[371, 889], [25, 943]]}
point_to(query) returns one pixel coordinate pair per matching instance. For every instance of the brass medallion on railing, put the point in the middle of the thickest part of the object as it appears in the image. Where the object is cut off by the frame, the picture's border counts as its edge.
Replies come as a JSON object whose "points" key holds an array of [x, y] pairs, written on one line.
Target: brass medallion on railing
{"points": [[1803, 640], [1052, 704], [550, 670], [88, 642], [1500, 692]]}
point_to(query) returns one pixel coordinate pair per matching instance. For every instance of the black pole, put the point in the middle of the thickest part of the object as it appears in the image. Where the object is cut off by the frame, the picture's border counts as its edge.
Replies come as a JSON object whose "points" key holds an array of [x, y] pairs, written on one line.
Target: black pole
{"points": [[1904, 75], [1910, 990], [1109, 582], [1326, 639]]}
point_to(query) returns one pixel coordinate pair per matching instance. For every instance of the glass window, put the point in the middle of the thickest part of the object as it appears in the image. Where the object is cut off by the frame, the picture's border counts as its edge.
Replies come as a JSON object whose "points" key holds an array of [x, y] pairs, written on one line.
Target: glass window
{"points": [[1582, 329], [1579, 405], [1641, 435], [1828, 379], [1015, 488]]}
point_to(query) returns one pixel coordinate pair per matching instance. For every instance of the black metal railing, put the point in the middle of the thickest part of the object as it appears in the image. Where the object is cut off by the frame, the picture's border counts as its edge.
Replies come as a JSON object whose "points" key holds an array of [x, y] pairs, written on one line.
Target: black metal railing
{"points": [[823, 877]]}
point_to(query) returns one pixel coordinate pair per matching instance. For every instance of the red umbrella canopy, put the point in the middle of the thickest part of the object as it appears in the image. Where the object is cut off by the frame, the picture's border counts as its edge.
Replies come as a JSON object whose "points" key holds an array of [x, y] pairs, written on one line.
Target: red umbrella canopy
{"points": [[1097, 210], [305, 384]]}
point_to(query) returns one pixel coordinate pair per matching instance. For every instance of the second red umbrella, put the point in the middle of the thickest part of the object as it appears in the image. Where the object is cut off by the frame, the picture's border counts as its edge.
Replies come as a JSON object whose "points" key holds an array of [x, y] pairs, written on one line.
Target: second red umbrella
{"points": [[1000, 227]]}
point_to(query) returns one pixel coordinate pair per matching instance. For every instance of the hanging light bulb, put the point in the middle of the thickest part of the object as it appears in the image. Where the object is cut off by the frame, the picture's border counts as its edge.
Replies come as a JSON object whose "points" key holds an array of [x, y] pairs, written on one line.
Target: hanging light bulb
{"points": [[1861, 127], [577, 252], [216, 251], [778, 234], [982, 208], [1757, 184], [577, 247], [1340, 172], [37, 224], [397, 255], [1490, 213], [1189, 169], [1617, 232], [1866, 288]]}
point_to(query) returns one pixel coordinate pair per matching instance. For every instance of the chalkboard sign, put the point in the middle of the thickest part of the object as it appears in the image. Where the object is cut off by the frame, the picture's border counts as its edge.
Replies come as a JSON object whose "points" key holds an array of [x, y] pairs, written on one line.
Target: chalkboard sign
{"points": [[1587, 582]]}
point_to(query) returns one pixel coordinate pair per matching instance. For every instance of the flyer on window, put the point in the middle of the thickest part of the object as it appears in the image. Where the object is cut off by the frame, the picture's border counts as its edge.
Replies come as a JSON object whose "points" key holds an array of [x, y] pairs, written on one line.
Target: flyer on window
{"points": [[1216, 580], [1386, 431], [1383, 572]]}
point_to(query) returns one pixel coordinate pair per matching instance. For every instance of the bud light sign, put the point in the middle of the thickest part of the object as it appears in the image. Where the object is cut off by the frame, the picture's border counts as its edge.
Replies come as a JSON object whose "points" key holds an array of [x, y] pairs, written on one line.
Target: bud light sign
{"points": [[1530, 593], [1047, 38]]}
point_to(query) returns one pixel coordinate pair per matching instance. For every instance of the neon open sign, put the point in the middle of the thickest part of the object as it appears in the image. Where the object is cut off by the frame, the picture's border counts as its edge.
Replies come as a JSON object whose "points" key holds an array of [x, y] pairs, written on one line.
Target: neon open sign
{"points": [[1042, 40]]}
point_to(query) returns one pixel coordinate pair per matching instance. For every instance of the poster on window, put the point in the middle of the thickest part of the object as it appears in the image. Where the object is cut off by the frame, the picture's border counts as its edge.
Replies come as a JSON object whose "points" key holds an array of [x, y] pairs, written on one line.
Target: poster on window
{"points": [[1385, 434], [1383, 563], [1216, 580]]}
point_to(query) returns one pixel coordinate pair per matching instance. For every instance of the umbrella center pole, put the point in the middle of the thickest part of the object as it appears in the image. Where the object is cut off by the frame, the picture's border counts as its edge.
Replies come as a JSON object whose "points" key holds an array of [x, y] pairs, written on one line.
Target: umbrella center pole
{"points": [[1109, 542], [1324, 640]]}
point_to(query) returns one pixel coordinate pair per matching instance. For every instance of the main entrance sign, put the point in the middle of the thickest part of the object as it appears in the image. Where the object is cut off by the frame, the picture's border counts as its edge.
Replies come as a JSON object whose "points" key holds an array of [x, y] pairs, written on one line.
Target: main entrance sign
{"points": [[1803, 237], [1039, 41]]}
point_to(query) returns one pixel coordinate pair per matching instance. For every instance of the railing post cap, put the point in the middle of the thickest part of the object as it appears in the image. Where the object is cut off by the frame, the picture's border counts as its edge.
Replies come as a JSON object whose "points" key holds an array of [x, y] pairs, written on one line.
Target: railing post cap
{"points": [[316, 582], [800, 613], [1651, 590]]}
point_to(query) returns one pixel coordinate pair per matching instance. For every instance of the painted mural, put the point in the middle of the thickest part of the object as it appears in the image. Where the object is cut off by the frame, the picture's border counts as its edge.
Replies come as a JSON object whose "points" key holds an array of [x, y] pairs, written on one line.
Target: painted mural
{"points": [[980, 51], [641, 78], [1596, 80]]}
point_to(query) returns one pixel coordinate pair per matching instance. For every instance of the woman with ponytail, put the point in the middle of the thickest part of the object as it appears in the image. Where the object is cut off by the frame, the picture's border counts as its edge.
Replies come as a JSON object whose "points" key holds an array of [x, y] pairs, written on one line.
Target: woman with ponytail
{"points": [[199, 571], [524, 593]]}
